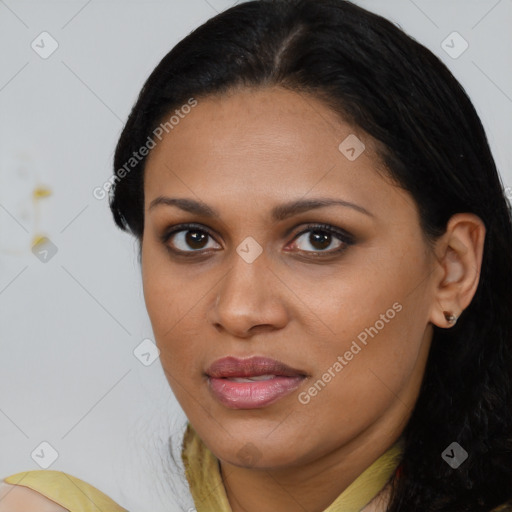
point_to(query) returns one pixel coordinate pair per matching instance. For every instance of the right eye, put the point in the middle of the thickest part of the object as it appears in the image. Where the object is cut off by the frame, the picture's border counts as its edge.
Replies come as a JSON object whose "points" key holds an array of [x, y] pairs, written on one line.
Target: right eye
{"points": [[180, 239]]}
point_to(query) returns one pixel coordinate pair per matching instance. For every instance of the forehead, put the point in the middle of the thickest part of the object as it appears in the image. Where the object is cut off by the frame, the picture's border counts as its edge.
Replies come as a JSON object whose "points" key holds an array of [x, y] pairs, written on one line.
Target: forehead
{"points": [[267, 143]]}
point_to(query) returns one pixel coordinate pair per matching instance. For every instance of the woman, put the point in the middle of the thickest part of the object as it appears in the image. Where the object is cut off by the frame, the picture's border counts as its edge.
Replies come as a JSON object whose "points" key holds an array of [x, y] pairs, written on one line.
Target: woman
{"points": [[325, 250]]}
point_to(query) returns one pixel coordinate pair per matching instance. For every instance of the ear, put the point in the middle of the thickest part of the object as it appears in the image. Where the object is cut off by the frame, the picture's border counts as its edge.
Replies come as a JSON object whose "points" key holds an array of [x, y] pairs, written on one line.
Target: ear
{"points": [[459, 255]]}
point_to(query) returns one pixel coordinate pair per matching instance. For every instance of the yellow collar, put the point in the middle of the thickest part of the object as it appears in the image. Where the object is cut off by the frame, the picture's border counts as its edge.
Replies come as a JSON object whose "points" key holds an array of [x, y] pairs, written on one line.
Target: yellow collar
{"points": [[207, 489]]}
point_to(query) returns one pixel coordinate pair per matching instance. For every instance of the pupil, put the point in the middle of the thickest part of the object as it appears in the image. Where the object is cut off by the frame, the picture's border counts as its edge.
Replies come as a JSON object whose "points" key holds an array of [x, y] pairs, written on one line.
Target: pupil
{"points": [[317, 238], [195, 237]]}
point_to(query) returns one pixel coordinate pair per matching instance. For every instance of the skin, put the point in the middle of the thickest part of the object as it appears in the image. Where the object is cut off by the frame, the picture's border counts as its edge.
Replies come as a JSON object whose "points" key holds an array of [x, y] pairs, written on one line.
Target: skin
{"points": [[243, 154], [16, 498]]}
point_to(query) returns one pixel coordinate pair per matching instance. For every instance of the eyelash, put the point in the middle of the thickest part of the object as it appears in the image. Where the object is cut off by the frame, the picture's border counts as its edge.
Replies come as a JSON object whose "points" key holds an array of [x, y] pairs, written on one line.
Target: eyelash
{"points": [[346, 239]]}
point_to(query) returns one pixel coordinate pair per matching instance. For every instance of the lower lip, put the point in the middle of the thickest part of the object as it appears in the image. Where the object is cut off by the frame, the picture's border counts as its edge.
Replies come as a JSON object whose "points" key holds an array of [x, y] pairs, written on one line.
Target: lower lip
{"points": [[252, 395]]}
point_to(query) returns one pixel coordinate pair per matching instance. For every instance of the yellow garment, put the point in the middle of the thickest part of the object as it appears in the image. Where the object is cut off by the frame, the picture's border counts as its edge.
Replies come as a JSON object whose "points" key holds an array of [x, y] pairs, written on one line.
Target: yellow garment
{"points": [[207, 489], [203, 474], [66, 490]]}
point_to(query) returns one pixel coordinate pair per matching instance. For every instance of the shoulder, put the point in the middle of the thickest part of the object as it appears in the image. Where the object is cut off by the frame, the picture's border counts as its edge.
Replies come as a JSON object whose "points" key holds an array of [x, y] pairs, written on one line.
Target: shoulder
{"points": [[16, 498], [52, 491]]}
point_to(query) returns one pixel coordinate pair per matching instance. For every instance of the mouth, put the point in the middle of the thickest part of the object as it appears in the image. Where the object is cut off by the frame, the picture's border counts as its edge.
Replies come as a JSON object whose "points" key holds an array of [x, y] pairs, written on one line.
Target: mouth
{"points": [[252, 383]]}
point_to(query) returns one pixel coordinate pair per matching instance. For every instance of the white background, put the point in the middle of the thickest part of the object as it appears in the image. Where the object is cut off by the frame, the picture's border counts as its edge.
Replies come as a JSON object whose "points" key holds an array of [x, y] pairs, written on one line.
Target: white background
{"points": [[68, 327]]}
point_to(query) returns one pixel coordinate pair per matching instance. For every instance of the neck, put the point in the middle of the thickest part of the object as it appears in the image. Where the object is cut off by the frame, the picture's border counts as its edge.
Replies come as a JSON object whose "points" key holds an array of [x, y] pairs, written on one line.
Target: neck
{"points": [[312, 486]]}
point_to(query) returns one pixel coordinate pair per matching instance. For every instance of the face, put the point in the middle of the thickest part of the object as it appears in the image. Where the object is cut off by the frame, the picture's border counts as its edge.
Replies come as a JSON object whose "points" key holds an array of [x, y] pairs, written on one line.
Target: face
{"points": [[305, 255]]}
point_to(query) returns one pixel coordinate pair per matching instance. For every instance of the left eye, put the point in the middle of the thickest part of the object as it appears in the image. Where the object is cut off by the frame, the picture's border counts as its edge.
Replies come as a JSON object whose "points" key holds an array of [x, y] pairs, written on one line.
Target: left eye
{"points": [[321, 238]]}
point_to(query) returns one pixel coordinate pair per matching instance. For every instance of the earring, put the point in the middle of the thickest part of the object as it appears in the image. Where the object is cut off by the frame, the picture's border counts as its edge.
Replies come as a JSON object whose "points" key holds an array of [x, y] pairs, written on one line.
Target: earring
{"points": [[450, 318]]}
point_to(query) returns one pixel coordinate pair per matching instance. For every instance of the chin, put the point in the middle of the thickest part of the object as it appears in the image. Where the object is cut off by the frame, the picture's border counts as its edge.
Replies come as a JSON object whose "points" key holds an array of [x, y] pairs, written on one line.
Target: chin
{"points": [[258, 452]]}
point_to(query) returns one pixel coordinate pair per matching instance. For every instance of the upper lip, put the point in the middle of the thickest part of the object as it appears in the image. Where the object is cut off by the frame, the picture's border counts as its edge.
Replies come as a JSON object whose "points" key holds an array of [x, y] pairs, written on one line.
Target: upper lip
{"points": [[251, 367]]}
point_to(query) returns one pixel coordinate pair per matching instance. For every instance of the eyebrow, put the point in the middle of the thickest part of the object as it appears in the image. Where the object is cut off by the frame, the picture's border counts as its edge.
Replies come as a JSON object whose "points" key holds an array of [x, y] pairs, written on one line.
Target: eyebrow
{"points": [[278, 213]]}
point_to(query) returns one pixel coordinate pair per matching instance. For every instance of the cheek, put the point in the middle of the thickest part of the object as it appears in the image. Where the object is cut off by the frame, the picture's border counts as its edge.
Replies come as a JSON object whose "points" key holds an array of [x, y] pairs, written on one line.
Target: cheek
{"points": [[159, 298], [164, 293], [373, 321], [381, 365], [355, 384], [176, 317]]}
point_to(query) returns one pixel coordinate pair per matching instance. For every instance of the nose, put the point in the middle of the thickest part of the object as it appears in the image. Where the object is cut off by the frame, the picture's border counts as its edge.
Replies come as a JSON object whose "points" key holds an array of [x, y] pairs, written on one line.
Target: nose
{"points": [[250, 298]]}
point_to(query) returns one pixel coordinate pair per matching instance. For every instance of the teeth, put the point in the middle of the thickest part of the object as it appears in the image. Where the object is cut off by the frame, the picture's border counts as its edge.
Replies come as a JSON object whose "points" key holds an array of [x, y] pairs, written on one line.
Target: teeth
{"points": [[251, 379]]}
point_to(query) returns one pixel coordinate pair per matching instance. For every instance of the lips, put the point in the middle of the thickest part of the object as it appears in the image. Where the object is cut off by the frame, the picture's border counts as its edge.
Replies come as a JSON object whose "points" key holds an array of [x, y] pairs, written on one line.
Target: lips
{"points": [[228, 367], [252, 383]]}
